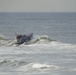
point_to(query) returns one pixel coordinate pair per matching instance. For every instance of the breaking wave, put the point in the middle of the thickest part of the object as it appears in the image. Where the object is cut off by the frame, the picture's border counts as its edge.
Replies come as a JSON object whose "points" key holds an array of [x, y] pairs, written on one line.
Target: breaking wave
{"points": [[39, 39], [42, 41], [13, 63], [44, 66], [38, 66], [23, 66]]}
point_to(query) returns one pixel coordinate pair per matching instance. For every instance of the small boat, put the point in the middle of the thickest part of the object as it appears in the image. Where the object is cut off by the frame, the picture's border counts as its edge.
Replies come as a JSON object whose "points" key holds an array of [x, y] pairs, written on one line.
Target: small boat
{"points": [[23, 38]]}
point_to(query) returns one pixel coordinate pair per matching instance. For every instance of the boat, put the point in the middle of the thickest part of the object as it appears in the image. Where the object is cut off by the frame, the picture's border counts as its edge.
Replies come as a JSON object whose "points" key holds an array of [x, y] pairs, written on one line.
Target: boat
{"points": [[20, 39]]}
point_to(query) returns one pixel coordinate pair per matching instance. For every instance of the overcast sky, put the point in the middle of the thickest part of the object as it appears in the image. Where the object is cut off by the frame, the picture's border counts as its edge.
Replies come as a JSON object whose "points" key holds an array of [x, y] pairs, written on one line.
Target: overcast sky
{"points": [[37, 5]]}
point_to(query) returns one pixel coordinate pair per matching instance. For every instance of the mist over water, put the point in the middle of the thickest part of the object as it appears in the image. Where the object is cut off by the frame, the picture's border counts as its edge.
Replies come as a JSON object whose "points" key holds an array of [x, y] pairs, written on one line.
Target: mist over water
{"points": [[51, 51]]}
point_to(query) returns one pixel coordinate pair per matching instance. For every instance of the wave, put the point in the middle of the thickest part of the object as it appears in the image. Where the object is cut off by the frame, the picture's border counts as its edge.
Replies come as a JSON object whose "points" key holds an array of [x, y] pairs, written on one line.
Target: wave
{"points": [[44, 42], [39, 39], [1, 38], [23, 66], [13, 63], [44, 66], [38, 66]]}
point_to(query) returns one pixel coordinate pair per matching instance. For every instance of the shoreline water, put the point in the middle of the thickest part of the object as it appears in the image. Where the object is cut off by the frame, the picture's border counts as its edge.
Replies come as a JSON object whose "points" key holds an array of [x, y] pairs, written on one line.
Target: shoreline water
{"points": [[52, 50]]}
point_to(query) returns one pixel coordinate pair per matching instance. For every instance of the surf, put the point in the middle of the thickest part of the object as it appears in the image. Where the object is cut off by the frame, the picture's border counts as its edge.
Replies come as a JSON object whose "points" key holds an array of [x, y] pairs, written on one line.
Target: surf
{"points": [[39, 39], [40, 42]]}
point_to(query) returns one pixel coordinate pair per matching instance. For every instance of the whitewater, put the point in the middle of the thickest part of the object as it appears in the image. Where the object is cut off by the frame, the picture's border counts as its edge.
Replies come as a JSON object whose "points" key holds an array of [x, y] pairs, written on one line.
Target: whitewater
{"points": [[52, 50]]}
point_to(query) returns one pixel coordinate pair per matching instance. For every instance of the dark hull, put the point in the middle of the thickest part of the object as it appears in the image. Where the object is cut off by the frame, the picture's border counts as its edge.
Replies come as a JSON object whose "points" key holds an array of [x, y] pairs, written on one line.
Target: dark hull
{"points": [[24, 39]]}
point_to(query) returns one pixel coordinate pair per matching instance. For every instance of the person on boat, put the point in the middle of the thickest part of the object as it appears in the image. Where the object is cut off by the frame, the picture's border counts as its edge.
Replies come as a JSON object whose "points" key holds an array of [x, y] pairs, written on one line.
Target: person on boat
{"points": [[23, 38]]}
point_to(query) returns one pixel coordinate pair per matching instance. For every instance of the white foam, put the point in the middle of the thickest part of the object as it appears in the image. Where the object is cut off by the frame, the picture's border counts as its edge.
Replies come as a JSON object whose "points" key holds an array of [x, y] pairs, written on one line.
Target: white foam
{"points": [[37, 46], [65, 45], [38, 66], [44, 66]]}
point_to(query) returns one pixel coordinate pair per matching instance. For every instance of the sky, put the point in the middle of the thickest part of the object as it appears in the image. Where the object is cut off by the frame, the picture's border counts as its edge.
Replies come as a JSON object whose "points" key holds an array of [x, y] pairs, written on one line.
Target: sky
{"points": [[37, 5]]}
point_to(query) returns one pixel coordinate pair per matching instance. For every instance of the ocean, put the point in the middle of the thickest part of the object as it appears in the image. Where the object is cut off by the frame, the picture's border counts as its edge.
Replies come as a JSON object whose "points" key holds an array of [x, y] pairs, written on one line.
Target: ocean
{"points": [[52, 50]]}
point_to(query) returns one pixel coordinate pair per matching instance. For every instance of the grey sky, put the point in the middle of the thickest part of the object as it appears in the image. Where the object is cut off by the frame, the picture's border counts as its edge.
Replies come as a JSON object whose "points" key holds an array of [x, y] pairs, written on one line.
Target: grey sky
{"points": [[37, 5]]}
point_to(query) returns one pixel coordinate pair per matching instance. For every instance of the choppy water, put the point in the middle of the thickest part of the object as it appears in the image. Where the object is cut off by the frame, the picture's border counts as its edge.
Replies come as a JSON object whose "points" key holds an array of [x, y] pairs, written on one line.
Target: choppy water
{"points": [[52, 51]]}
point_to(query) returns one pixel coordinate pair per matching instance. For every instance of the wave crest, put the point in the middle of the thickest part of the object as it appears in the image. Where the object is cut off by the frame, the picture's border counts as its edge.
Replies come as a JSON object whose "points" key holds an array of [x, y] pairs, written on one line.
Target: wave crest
{"points": [[40, 39], [12, 63], [38, 66], [44, 66]]}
